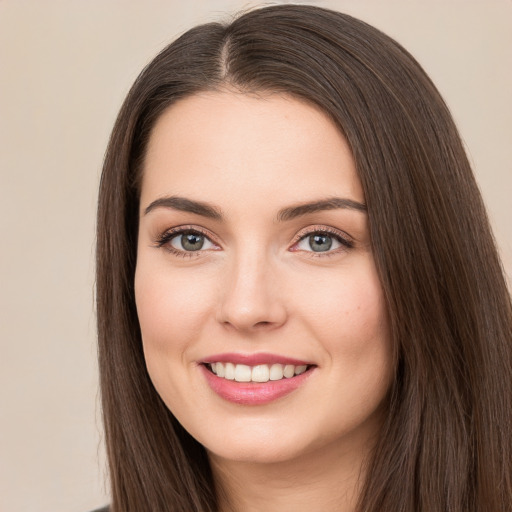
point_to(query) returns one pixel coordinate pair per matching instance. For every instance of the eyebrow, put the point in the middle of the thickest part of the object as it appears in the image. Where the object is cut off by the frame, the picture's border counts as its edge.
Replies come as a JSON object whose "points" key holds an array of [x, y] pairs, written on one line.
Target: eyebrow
{"points": [[332, 203], [186, 205], [207, 210]]}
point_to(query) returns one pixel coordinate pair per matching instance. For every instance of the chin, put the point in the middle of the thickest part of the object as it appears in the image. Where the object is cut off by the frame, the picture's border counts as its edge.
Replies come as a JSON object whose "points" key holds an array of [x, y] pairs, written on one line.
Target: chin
{"points": [[251, 453], [263, 445]]}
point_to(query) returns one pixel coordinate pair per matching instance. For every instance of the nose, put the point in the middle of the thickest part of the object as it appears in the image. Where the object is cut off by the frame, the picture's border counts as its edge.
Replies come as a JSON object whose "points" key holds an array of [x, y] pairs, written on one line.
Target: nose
{"points": [[251, 297]]}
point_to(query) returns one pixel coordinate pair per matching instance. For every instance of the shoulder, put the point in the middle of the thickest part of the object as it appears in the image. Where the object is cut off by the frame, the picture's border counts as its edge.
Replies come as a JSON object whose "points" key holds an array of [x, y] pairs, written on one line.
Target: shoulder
{"points": [[104, 509]]}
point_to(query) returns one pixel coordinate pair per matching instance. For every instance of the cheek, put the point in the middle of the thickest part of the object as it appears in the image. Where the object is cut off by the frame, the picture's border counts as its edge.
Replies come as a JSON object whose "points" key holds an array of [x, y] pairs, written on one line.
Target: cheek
{"points": [[173, 311], [349, 318], [348, 308], [172, 307]]}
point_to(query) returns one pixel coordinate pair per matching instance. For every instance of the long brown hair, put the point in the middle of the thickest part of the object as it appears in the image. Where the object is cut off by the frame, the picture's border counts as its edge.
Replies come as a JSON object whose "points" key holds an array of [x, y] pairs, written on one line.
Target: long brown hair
{"points": [[446, 443]]}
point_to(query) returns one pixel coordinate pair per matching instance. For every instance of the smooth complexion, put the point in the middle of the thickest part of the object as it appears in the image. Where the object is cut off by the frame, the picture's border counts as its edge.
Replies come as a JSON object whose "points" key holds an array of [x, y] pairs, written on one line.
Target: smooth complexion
{"points": [[270, 277]]}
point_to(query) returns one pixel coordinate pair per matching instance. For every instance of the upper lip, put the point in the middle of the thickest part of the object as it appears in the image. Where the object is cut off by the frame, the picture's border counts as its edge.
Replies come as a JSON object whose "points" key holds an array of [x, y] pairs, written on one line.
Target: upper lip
{"points": [[254, 359]]}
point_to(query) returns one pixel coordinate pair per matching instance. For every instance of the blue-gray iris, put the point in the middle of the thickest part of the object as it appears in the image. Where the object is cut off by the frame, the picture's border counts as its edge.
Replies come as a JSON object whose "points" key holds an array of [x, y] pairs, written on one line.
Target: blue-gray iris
{"points": [[320, 243]]}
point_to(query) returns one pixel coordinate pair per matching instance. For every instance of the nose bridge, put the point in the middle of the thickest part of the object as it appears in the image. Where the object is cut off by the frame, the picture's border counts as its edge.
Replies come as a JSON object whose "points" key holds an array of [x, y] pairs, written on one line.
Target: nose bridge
{"points": [[250, 297]]}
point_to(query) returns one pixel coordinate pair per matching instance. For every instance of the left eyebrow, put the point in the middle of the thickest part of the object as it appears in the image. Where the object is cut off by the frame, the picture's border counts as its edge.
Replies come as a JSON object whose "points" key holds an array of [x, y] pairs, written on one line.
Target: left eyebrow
{"points": [[332, 203], [186, 205]]}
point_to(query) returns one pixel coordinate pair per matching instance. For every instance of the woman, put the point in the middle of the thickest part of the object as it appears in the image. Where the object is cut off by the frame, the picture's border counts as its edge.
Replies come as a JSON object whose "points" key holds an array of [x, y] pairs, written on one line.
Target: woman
{"points": [[300, 304]]}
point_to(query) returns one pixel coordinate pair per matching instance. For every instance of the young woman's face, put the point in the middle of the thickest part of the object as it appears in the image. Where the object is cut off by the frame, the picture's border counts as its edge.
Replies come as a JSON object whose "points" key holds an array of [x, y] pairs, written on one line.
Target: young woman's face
{"points": [[262, 316]]}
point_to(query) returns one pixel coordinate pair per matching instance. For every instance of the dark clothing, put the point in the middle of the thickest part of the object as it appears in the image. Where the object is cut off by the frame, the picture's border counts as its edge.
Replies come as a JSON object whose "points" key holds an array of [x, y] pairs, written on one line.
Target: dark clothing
{"points": [[104, 509]]}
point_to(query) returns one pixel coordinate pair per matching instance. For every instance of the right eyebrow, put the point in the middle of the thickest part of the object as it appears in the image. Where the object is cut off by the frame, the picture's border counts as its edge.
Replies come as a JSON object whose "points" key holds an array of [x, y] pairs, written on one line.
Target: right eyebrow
{"points": [[185, 205], [331, 203]]}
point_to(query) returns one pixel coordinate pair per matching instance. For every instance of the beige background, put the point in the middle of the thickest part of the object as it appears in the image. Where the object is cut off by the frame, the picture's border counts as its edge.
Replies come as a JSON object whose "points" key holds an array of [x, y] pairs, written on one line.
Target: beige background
{"points": [[65, 67]]}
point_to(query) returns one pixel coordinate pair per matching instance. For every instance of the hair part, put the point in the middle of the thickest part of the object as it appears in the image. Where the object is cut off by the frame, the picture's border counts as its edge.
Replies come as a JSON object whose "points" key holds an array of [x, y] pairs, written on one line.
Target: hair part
{"points": [[446, 440]]}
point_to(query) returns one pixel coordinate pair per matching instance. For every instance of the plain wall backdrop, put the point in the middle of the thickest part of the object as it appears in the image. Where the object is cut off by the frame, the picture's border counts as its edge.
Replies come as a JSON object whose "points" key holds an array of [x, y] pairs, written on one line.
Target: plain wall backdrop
{"points": [[65, 67]]}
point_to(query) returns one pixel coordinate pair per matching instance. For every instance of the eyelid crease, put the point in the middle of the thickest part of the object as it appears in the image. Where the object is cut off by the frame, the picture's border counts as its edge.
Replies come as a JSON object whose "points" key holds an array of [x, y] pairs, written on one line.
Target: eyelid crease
{"points": [[321, 229]]}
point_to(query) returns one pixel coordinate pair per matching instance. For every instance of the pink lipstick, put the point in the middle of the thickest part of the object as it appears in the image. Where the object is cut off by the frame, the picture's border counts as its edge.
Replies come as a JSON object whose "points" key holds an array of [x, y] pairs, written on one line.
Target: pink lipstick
{"points": [[254, 379]]}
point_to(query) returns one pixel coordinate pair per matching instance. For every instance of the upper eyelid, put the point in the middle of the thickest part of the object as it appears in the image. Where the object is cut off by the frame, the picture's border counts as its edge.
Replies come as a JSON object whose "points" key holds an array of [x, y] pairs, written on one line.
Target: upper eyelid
{"points": [[323, 229], [189, 229]]}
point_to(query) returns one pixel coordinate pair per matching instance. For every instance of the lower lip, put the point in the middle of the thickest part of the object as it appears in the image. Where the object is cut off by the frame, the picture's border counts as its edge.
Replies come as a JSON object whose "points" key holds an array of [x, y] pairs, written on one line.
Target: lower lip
{"points": [[253, 393]]}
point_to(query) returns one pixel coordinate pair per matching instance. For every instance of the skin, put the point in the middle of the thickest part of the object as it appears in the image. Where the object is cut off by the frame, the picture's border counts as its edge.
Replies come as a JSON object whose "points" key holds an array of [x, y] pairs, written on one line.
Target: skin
{"points": [[257, 286]]}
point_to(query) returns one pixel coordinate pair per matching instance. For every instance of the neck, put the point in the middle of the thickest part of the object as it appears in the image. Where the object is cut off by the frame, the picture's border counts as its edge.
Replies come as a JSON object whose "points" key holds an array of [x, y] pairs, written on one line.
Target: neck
{"points": [[329, 480]]}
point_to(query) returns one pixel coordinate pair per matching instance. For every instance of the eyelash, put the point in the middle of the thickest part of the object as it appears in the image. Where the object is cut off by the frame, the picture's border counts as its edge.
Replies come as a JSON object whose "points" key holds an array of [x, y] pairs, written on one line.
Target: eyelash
{"points": [[343, 239], [163, 241]]}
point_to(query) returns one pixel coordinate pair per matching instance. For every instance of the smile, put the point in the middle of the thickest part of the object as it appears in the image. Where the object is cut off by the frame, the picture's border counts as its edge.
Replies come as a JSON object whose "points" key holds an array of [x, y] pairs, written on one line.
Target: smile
{"points": [[259, 373], [256, 379]]}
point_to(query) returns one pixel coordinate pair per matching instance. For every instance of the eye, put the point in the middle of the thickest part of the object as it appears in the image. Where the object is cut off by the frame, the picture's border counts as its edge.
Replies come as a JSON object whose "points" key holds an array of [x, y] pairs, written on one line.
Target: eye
{"points": [[189, 241], [322, 242], [185, 241]]}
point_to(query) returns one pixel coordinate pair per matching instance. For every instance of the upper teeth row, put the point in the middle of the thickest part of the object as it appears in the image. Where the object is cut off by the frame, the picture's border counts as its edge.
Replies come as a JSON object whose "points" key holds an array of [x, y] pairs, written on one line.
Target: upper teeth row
{"points": [[259, 373]]}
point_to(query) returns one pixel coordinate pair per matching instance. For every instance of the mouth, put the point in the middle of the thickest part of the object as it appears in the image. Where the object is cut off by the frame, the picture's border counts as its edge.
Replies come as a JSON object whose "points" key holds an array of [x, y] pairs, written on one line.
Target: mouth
{"points": [[260, 373], [256, 379]]}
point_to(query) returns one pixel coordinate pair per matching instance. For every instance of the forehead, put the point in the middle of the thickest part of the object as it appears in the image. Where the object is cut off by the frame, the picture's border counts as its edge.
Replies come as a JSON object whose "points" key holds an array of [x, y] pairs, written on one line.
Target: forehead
{"points": [[230, 146]]}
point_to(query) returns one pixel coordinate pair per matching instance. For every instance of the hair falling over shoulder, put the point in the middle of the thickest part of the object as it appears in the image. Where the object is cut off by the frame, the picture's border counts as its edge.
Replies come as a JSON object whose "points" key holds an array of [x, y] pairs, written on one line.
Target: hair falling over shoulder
{"points": [[446, 443]]}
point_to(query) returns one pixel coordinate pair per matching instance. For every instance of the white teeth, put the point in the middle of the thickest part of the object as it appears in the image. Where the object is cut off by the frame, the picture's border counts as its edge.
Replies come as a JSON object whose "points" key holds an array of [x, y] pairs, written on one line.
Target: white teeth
{"points": [[221, 370], [258, 373], [276, 372], [242, 373], [229, 371], [289, 371], [300, 369]]}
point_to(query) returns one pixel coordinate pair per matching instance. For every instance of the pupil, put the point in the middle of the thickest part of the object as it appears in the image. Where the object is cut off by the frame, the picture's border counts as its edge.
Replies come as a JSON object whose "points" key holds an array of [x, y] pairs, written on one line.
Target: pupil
{"points": [[320, 243], [192, 242]]}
